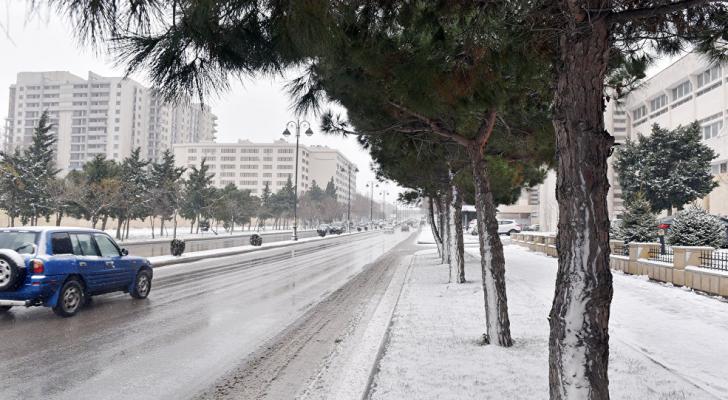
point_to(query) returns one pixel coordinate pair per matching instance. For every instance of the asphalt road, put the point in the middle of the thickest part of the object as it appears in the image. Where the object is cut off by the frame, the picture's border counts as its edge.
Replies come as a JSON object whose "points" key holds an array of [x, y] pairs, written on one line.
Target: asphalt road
{"points": [[200, 321]]}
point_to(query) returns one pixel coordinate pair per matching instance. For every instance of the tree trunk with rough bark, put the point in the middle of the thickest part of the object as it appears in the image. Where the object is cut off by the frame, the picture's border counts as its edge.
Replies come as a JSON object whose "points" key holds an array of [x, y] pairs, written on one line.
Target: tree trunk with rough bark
{"points": [[433, 225], [441, 227], [579, 318], [447, 199], [459, 240], [119, 223], [492, 260]]}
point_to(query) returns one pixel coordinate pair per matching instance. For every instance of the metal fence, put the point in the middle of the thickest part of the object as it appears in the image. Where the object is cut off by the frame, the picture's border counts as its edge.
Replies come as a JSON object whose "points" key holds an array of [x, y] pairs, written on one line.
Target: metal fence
{"points": [[657, 253], [620, 249], [714, 260]]}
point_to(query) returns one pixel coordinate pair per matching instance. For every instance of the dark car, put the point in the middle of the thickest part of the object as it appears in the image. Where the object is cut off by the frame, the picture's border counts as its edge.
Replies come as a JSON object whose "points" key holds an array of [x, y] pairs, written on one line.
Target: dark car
{"points": [[62, 268], [323, 230], [337, 229]]}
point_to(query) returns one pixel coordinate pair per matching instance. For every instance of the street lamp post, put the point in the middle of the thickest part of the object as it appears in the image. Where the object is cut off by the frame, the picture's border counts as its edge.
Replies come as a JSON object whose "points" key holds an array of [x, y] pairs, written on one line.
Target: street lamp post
{"points": [[371, 185], [384, 204], [348, 209], [298, 124]]}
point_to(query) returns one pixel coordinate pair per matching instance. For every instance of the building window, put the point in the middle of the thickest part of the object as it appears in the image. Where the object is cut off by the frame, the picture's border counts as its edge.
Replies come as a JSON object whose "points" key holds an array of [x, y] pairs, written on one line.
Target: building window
{"points": [[639, 112], [658, 102], [708, 76], [682, 90], [712, 130]]}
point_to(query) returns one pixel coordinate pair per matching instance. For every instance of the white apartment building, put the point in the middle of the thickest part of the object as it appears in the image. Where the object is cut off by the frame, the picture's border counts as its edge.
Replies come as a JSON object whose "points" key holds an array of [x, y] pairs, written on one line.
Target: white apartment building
{"points": [[100, 115], [691, 89], [251, 165]]}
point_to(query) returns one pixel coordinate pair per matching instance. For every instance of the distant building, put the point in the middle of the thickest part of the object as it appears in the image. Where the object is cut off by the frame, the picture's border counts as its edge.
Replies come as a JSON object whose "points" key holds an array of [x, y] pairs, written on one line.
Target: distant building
{"points": [[100, 115], [251, 165], [691, 89]]}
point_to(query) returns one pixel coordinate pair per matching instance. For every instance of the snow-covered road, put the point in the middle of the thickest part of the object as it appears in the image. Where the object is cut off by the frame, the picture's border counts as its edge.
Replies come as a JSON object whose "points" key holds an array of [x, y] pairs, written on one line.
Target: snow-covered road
{"points": [[666, 342]]}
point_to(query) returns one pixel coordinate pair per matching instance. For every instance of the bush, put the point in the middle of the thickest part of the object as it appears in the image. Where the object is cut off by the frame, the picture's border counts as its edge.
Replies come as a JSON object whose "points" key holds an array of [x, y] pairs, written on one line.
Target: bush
{"points": [[638, 222], [256, 240], [695, 227], [177, 247]]}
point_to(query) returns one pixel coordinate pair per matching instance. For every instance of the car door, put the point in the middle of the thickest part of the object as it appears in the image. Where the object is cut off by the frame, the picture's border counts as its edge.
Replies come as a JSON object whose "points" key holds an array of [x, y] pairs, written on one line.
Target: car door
{"points": [[121, 269], [92, 267]]}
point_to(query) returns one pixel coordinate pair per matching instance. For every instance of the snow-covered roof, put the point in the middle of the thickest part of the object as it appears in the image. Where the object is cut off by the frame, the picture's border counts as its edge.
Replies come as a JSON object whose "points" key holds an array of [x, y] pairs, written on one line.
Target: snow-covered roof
{"points": [[49, 229]]}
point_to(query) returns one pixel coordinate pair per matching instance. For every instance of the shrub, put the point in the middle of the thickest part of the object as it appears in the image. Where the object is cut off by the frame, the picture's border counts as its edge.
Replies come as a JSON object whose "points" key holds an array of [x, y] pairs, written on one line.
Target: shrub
{"points": [[177, 247], [695, 227]]}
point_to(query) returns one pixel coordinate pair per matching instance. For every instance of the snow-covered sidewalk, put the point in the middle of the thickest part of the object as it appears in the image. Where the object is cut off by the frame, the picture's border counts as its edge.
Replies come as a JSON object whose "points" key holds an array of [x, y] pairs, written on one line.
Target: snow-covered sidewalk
{"points": [[666, 342]]}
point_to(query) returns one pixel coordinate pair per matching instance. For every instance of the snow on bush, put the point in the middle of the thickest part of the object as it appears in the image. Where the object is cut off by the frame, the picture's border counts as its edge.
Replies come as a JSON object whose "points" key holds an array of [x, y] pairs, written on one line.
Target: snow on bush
{"points": [[695, 227], [638, 223]]}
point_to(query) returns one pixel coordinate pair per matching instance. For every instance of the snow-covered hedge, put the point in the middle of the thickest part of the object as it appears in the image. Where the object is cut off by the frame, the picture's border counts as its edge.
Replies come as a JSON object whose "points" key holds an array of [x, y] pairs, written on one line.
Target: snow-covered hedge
{"points": [[695, 227]]}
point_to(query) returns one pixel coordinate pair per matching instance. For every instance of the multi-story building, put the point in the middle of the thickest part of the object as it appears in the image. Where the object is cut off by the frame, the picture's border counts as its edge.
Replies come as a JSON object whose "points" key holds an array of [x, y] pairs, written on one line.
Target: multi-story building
{"points": [[524, 211], [251, 165], [691, 89], [100, 115]]}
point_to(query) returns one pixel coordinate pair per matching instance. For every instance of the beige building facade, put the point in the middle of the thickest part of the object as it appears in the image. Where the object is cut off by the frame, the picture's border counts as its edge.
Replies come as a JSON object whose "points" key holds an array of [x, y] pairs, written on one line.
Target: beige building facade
{"points": [[251, 166], [691, 89], [100, 115]]}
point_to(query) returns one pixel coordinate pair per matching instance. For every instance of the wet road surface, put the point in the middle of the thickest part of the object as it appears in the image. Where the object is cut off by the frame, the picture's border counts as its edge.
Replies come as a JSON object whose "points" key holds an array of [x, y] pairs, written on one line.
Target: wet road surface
{"points": [[200, 321]]}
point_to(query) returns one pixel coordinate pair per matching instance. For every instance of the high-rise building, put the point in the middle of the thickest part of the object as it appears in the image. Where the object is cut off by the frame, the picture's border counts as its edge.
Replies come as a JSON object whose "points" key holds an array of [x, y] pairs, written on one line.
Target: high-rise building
{"points": [[110, 116], [251, 166], [691, 89]]}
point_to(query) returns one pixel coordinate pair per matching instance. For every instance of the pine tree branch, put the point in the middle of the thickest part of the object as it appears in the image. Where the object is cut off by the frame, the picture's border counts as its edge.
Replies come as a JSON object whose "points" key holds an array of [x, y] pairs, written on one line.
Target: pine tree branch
{"points": [[485, 131], [436, 127], [647, 12]]}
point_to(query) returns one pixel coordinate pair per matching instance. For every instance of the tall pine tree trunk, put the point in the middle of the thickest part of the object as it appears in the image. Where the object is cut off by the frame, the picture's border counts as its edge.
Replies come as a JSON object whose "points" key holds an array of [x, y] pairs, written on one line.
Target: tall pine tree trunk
{"points": [[151, 221], [459, 240], [448, 245], [161, 226], [492, 260], [441, 226], [579, 318], [59, 217], [104, 221], [433, 225]]}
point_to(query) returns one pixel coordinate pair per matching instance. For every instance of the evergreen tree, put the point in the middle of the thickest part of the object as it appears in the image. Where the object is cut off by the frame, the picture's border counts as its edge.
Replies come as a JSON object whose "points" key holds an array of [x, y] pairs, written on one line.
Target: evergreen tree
{"points": [[638, 222], [265, 209], [95, 191], [40, 172], [671, 167], [198, 193], [331, 189], [135, 182], [12, 184], [695, 227], [165, 194]]}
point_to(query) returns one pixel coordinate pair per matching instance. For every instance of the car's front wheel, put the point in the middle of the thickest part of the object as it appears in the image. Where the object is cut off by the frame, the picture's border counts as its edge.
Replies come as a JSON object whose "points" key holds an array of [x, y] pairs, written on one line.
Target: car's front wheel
{"points": [[70, 299], [142, 285], [512, 231]]}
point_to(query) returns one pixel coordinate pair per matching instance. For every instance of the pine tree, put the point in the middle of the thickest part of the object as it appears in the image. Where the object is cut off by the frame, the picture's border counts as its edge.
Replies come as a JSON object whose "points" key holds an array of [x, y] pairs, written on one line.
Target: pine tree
{"points": [[695, 227], [165, 178], [671, 167], [331, 189], [41, 172], [638, 222], [12, 184], [198, 194], [135, 181], [265, 208]]}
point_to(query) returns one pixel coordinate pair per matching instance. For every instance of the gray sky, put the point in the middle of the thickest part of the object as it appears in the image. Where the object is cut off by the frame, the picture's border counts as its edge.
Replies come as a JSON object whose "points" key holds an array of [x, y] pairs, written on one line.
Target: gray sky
{"points": [[257, 109]]}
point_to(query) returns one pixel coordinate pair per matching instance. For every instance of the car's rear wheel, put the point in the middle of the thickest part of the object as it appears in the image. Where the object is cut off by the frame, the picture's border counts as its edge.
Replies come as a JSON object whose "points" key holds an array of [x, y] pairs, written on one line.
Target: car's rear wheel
{"points": [[4, 309], [9, 273], [142, 285], [70, 299]]}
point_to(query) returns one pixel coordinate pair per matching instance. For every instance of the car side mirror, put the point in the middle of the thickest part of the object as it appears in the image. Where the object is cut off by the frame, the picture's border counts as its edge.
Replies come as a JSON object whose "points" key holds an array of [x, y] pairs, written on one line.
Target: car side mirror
{"points": [[124, 252]]}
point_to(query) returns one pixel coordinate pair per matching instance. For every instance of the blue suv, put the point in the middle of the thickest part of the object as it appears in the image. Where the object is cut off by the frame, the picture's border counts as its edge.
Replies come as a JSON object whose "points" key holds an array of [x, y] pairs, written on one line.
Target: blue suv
{"points": [[62, 268]]}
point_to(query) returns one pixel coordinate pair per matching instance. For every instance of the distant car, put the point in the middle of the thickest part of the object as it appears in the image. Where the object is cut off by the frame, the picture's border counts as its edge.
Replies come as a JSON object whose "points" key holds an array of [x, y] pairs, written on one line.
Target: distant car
{"points": [[388, 228], [337, 229], [323, 230], [62, 268], [505, 226], [405, 228]]}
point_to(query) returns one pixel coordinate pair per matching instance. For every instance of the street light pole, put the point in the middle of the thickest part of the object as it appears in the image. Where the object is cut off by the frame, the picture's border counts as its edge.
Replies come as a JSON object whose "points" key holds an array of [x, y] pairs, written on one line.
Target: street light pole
{"points": [[348, 209], [298, 124], [371, 185]]}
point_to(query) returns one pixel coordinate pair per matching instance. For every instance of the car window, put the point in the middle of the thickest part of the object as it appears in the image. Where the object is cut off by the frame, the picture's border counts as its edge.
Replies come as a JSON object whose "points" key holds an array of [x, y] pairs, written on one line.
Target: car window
{"points": [[61, 243], [106, 246], [22, 242], [84, 245]]}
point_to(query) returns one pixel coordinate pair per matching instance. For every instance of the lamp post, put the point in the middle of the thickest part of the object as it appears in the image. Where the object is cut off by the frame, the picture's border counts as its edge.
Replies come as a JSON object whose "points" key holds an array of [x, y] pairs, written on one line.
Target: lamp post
{"points": [[371, 185], [298, 124], [384, 204], [348, 207]]}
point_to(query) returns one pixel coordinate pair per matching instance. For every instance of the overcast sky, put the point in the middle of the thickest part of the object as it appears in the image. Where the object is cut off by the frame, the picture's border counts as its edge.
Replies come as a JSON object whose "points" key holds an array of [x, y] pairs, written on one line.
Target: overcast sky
{"points": [[257, 109]]}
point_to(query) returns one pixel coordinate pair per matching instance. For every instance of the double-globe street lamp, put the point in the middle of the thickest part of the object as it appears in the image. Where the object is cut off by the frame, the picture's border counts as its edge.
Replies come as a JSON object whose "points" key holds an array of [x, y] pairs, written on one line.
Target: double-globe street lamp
{"points": [[297, 125]]}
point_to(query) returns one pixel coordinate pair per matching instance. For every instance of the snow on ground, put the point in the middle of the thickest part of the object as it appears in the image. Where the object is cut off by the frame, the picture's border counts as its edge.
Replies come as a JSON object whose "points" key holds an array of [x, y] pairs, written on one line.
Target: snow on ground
{"points": [[426, 237], [666, 343]]}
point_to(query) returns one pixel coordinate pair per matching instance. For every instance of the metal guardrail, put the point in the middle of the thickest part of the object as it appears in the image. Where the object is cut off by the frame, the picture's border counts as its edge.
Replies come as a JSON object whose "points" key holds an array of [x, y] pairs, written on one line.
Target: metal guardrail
{"points": [[714, 260], [657, 254]]}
